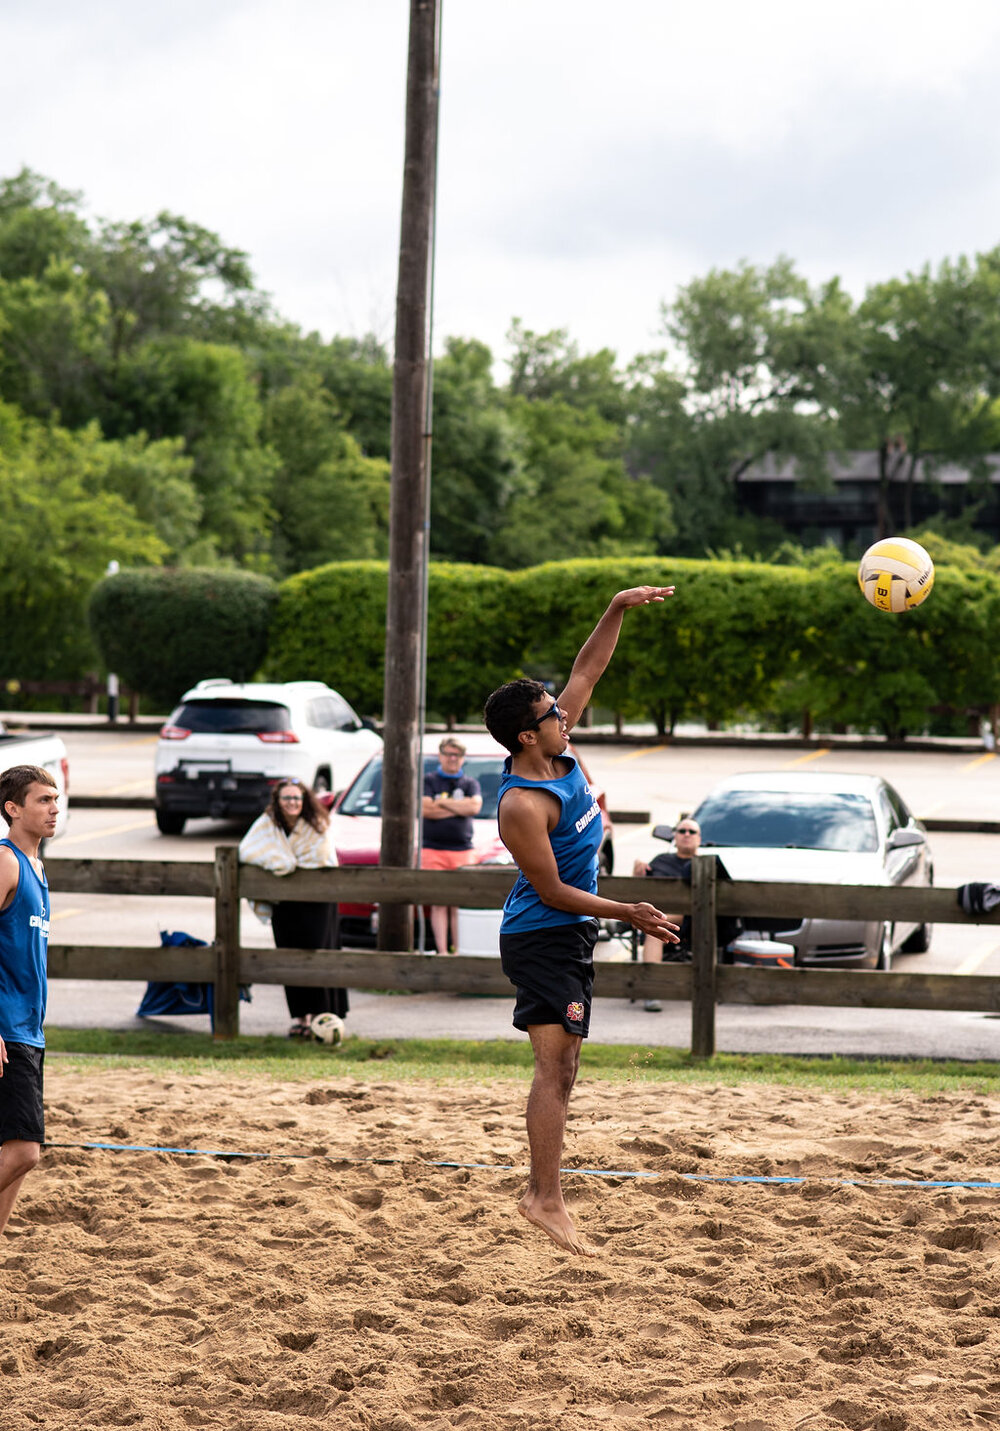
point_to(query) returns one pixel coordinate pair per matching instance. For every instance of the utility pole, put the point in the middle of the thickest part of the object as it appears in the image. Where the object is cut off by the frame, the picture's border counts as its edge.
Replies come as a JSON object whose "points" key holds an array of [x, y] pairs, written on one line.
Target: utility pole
{"points": [[409, 537]]}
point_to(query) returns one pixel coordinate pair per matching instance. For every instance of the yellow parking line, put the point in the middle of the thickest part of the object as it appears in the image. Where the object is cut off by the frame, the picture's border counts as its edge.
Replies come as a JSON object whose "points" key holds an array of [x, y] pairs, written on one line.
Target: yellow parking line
{"points": [[635, 754], [805, 759], [66, 914], [129, 788], [979, 760], [978, 957], [146, 824]]}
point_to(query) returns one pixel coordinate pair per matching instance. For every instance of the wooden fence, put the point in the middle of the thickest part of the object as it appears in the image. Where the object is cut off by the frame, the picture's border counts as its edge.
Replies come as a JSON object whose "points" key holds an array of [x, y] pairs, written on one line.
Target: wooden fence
{"points": [[704, 982]]}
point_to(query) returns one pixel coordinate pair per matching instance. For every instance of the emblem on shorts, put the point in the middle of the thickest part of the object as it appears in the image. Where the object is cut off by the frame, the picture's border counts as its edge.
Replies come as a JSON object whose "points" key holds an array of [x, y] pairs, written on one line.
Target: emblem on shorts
{"points": [[574, 1012]]}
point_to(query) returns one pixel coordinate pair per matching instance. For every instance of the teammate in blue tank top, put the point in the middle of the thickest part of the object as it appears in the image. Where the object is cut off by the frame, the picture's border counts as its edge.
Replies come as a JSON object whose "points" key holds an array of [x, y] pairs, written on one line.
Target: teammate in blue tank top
{"points": [[29, 802], [550, 821]]}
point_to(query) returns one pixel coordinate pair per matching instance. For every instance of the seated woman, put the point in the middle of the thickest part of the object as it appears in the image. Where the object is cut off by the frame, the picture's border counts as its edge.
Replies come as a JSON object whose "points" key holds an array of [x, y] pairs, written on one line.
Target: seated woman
{"points": [[292, 834]]}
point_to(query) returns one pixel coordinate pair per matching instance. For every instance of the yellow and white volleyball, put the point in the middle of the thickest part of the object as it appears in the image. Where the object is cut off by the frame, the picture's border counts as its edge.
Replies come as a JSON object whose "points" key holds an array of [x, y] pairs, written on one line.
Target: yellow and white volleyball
{"points": [[328, 1028], [896, 574]]}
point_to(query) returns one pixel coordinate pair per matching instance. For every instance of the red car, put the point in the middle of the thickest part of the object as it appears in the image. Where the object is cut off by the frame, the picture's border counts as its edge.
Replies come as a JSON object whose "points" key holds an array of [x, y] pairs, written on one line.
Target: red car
{"points": [[356, 824]]}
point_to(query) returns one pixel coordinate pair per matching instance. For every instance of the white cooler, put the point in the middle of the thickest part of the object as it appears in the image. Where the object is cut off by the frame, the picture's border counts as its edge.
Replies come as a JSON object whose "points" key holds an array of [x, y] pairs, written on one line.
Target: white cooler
{"points": [[479, 932]]}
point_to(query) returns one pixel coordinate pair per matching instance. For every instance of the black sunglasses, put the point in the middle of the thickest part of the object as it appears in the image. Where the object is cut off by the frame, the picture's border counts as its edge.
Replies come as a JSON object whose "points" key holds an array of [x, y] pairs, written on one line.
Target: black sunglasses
{"points": [[686, 830], [553, 710]]}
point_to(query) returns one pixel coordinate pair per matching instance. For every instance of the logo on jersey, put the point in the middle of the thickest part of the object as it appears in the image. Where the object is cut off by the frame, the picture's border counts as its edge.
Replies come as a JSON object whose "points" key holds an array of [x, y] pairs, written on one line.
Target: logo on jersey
{"points": [[585, 820], [574, 1012], [39, 921]]}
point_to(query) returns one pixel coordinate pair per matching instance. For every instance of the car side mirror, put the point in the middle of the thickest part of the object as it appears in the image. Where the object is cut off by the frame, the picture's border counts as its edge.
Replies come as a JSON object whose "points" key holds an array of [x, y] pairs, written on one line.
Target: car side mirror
{"points": [[663, 832], [904, 837], [368, 724]]}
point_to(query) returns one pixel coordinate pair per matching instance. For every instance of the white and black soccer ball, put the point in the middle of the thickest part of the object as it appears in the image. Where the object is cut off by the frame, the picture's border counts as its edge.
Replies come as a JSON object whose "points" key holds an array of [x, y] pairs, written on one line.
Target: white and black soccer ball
{"points": [[328, 1029], [896, 574]]}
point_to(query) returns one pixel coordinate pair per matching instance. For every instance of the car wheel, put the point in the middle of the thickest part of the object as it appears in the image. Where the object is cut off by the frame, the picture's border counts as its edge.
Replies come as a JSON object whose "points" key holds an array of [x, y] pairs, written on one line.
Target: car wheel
{"points": [[606, 859], [170, 823], [885, 949], [919, 941]]}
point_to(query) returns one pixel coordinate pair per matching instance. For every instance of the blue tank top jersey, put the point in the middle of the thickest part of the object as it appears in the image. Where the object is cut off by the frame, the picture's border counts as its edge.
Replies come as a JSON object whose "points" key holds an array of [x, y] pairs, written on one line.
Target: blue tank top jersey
{"points": [[576, 841], [24, 942]]}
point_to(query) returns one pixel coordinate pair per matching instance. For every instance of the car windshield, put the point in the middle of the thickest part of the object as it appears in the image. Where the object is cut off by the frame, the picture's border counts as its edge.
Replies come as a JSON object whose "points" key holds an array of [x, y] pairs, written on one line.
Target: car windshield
{"points": [[231, 717], [778, 819], [364, 796]]}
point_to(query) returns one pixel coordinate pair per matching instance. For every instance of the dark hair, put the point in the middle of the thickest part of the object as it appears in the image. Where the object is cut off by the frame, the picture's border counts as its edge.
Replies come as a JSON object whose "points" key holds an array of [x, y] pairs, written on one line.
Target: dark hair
{"points": [[16, 782], [510, 709], [312, 811]]}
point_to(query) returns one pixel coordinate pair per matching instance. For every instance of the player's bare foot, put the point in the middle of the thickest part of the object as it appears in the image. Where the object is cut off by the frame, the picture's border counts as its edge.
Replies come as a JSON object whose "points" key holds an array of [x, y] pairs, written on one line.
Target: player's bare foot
{"points": [[556, 1222]]}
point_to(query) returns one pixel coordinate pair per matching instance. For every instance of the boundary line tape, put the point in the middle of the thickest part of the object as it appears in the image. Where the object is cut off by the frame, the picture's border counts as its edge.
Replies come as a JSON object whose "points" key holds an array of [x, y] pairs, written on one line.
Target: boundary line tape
{"points": [[736, 1178]]}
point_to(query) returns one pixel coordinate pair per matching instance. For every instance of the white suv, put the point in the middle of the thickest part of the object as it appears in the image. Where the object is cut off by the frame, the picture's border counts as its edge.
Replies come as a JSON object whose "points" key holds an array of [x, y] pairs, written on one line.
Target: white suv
{"points": [[226, 746]]}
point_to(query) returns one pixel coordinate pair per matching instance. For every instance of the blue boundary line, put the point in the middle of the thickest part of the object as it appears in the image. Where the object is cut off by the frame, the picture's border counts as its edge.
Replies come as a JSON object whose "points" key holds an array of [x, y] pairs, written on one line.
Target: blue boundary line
{"points": [[744, 1178]]}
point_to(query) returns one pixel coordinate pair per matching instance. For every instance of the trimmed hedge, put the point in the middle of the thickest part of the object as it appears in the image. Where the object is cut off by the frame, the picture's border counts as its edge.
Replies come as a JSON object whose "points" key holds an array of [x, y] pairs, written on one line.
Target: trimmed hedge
{"points": [[162, 630], [329, 625], [738, 640]]}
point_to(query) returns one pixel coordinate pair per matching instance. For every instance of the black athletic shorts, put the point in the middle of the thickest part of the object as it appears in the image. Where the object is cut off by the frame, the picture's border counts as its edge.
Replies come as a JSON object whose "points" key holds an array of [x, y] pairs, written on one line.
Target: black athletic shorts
{"points": [[553, 972], [21, 1113]]}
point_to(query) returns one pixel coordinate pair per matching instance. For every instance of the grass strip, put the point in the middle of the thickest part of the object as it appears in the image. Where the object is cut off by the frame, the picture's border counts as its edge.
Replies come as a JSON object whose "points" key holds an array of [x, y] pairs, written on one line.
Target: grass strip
{"points": [[457, 1060]]}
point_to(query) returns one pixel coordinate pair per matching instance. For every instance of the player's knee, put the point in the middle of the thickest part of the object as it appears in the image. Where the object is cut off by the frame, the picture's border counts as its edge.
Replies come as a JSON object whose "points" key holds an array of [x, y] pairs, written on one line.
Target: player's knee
{"points": [[20, 1157], [567, 1066]]}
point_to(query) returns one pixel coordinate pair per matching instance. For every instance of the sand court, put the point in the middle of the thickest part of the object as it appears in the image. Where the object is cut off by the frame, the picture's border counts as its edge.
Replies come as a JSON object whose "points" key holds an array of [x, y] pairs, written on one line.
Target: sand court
{"points": [[166, 1291]]}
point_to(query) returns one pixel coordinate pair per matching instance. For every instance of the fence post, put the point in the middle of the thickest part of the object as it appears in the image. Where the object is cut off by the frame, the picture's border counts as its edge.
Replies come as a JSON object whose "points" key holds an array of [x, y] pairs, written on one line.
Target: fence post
{"points": [[704, 950], [227, 942]]}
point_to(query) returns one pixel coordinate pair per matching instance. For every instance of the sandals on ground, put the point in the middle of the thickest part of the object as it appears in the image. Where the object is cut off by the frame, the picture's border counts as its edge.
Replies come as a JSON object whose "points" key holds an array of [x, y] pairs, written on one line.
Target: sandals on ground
{"points": [[301, 1028]]}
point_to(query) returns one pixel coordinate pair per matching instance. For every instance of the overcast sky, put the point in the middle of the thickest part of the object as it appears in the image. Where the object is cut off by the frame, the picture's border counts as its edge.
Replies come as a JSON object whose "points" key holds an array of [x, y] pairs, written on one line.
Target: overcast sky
{"points": [[594, 154]]}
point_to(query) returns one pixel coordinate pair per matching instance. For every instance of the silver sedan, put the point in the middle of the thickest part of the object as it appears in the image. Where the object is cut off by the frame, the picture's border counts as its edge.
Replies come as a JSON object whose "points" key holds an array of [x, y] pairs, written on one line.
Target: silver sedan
{"points": [[821, 829]]}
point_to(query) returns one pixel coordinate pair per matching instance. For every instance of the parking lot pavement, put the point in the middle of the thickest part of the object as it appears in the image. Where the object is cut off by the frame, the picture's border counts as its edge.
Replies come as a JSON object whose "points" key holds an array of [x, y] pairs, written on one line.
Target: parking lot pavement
{"points": [[78, 1003]]}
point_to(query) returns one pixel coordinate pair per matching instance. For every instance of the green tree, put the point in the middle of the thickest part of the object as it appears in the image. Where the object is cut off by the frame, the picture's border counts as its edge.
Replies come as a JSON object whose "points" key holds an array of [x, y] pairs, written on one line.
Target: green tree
{"points": [[754, 348], [39, 225], [545, 366], [171, 276], [474, 463], [332, 503], [205, 394], [575, 497], [914, 382], [53, 343], [61, 527], [357, 373]]}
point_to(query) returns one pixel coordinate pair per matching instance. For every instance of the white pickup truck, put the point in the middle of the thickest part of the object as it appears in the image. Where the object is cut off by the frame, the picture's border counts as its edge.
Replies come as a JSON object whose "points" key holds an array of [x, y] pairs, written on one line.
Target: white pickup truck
{"points": [[46, 750]]}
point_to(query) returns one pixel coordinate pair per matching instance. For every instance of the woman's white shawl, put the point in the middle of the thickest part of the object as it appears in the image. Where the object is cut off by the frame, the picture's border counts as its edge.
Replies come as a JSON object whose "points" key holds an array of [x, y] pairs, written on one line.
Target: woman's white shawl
{"points": [[266, 844]]}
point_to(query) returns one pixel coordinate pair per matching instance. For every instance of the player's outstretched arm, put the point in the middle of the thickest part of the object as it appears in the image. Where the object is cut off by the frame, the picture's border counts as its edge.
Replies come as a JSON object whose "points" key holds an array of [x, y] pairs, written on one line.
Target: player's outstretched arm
{"points": [[597, 650]]}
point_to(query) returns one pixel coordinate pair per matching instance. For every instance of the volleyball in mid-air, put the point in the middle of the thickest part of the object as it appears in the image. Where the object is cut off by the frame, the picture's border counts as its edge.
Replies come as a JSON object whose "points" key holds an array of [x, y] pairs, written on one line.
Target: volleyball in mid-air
{"points": [[895, 574]]}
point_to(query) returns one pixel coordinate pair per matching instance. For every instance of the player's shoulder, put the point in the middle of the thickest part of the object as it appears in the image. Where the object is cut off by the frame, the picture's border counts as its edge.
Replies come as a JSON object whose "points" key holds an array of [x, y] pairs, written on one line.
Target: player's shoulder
{"points": [[10, 871], [523, 804]]}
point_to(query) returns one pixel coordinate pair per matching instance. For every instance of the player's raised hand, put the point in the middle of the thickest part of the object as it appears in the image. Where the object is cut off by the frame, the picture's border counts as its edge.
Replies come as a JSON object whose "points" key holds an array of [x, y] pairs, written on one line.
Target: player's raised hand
{"points": [[643, 595]]}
